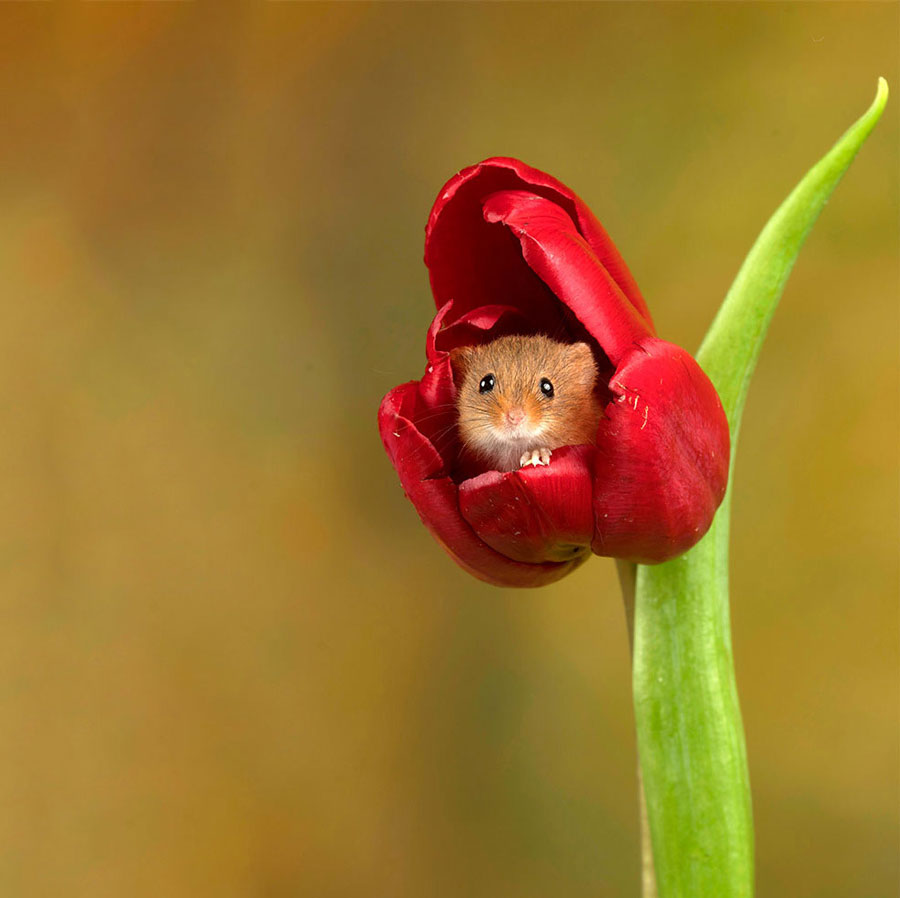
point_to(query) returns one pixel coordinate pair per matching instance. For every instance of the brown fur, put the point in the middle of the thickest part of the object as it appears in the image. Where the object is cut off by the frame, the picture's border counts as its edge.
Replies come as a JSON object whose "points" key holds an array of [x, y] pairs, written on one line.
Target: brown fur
{"points": [[518, 363]]}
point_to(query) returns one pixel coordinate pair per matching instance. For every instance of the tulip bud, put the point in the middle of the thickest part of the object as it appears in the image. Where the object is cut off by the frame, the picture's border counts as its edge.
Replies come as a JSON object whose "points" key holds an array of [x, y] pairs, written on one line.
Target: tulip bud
{"points": [[511, 250]]}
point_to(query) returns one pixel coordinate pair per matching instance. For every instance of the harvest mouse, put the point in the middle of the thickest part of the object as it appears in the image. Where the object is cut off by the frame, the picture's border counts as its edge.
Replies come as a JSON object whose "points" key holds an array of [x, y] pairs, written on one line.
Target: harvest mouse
{"points": [[521, 397]]}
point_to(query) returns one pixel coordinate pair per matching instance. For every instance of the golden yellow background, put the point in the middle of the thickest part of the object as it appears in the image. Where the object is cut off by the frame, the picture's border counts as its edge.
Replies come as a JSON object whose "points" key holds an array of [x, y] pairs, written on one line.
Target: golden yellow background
{"points": [[232, 662]]}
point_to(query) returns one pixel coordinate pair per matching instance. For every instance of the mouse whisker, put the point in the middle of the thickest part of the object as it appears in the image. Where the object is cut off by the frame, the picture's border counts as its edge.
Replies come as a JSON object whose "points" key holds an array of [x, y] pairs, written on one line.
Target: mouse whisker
{"points": [[431, 416], [435, 440]]}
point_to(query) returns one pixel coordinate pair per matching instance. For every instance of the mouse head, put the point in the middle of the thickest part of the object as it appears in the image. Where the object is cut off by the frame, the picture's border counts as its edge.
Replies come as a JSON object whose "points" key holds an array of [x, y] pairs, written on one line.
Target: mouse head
{"points": [[519, 392]]}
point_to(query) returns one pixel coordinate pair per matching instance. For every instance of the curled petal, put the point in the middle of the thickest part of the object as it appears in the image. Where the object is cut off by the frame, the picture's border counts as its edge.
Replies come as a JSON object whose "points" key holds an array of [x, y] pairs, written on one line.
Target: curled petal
{"points": [[563, 260], [444, 314], [535, 514], [662, 457], [435, 497], [472, 263], [478, 326]]}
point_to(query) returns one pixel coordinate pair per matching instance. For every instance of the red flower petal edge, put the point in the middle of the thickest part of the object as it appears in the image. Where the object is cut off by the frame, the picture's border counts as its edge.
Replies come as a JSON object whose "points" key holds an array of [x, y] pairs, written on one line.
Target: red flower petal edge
{"points": [[512, 250], [435, 496], [662, 457]]}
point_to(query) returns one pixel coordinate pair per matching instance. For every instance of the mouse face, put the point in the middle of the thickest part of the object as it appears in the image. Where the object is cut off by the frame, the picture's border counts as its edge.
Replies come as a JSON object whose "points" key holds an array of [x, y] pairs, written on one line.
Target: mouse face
{"points": [[518, 394]]}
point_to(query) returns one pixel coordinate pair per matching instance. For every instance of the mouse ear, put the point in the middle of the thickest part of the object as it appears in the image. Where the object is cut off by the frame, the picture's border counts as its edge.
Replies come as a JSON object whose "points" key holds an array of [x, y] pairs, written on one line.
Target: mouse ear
{"points": [[581, 357], [460, 359]]}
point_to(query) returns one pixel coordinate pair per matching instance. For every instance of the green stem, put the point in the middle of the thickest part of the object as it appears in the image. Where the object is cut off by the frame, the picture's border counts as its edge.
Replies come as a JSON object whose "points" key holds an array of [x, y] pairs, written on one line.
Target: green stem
{"points": [[690, 736], [627, 571]]}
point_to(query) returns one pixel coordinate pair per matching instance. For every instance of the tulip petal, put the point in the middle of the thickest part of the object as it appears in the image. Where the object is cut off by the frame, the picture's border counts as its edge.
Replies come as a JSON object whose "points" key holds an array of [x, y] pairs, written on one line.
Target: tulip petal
{"points": [[481, 325], [435, 497], [662, 457], [535, 514], [473, 264], [561, 257], [444, 313]]}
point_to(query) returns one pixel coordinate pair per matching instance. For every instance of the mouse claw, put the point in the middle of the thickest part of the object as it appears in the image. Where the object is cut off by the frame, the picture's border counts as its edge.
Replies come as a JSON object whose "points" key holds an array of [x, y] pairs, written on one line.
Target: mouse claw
{"points": [[535, 457]]}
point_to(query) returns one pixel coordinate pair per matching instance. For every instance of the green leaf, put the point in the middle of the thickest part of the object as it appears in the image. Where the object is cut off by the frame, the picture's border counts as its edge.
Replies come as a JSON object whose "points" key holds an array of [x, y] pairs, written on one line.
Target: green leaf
{"points": [[690, 737]]}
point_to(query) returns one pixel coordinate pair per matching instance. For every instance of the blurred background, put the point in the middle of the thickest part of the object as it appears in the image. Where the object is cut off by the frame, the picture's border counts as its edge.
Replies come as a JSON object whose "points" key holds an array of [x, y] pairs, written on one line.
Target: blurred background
{"points": [[232, 661]]}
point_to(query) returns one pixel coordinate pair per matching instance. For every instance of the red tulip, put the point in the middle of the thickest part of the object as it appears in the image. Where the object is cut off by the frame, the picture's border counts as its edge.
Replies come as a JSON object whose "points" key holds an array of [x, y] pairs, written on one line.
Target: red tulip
{"points": [[512, 250]]}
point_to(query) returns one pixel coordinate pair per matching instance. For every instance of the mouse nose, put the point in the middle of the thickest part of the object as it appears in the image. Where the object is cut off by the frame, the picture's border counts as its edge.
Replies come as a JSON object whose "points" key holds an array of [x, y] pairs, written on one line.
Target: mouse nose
{"points": [[515, 416]]}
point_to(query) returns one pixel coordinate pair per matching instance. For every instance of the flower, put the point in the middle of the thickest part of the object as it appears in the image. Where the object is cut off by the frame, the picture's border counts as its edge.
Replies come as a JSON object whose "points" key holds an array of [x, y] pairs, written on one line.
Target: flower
{"points": [[511, 250]]}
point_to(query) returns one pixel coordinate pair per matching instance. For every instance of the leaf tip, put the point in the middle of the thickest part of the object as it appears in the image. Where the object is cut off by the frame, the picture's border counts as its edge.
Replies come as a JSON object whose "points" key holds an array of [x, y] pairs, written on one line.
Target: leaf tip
{"points": [[881, 96]]}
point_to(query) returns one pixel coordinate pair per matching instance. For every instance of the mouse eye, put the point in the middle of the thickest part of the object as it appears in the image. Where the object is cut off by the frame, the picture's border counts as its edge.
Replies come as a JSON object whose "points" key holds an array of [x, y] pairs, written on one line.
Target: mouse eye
{"points": [[487, 384], [546, 388]]}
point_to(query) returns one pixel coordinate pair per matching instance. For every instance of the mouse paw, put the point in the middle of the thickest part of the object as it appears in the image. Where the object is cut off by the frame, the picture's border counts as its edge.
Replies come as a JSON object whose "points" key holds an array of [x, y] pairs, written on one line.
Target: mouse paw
{"points": [[535, 457]]}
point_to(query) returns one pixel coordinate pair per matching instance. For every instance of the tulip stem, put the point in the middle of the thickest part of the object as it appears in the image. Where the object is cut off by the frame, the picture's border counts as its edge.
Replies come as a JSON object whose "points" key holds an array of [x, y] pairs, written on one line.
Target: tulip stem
{"points": [[648, 874], [627, 572], [689, 732]]}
